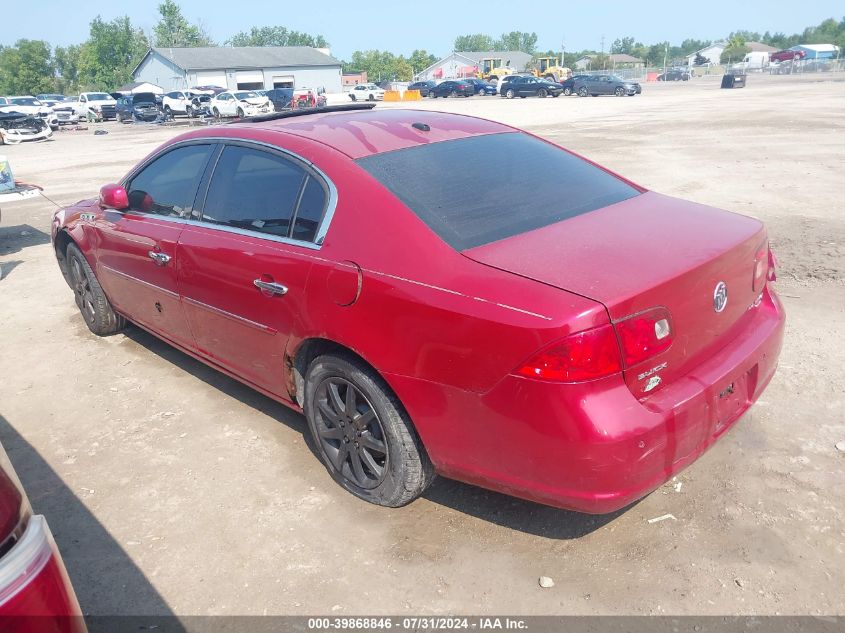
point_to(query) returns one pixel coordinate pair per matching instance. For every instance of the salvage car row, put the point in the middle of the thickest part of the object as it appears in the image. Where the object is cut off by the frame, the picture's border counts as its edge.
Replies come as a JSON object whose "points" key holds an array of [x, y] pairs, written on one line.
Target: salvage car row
{"points": [[513, 86]]}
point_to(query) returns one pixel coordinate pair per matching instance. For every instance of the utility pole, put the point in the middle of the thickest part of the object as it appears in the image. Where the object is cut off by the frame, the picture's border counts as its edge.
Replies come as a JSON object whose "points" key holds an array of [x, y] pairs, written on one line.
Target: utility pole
{"points": [[665, 54]]}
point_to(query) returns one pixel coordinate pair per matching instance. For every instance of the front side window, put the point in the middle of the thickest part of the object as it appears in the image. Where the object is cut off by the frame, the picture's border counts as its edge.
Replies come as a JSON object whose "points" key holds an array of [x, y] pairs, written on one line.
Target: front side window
{"points": [[167, 186], [254, 190]]}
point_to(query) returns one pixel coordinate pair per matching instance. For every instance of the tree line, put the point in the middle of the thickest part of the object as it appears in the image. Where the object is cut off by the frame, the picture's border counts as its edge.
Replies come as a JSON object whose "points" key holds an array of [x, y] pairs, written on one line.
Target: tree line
{"points": [[107, 58]]}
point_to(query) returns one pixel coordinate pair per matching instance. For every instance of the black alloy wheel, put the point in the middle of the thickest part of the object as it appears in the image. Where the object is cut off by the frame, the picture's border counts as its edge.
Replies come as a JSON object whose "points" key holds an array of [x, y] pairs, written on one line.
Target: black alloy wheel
{"points": [[351, 434], [542, 93]]}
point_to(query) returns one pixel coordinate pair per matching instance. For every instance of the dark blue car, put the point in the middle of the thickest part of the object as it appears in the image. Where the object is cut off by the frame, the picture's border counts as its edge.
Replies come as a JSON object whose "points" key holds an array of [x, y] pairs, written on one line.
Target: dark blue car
{"points": [[138, 107], [481, 86]]}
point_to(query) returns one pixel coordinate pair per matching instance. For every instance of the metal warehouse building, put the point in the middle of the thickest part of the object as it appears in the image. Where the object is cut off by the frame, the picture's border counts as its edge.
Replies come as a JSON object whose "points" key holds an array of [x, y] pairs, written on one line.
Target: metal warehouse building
{"points": [[246, 68]]}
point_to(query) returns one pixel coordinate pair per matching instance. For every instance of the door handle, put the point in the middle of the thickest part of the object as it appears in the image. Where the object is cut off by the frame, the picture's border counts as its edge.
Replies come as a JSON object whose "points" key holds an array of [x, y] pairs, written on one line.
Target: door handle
{"points": [[270, 287], [159, 258]]}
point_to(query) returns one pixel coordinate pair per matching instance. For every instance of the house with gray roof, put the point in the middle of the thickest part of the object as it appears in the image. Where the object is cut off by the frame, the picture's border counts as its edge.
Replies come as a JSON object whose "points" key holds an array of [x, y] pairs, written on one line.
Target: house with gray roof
{"points": [[240, 68], [468, 63]]}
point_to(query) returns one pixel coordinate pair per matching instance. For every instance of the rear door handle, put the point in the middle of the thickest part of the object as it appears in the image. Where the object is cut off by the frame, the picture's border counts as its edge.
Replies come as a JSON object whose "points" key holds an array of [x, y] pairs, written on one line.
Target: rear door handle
{"points": [[159, 258], [270, 287]]}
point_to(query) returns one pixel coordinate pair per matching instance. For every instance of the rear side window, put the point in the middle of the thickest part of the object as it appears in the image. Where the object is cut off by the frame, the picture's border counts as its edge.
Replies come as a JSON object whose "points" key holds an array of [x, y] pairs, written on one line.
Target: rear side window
{"points": [[253, 190], [167, 185], [312, 206], [481, 189]]}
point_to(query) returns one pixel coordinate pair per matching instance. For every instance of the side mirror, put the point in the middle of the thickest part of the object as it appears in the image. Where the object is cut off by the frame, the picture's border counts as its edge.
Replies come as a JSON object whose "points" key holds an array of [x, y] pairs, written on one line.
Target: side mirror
{"points": [[114, 197]]}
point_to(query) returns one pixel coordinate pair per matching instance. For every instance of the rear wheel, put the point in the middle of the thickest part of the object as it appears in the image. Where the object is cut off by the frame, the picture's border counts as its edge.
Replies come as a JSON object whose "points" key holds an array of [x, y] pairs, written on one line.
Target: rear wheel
{"points": [[363, 434], [620, 91], [98, 314]]}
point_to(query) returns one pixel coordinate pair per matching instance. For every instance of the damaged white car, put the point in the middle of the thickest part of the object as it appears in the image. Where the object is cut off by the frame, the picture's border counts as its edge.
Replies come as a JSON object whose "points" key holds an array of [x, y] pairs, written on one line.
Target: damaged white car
{"points": [[16, 128], [30, 105], [240, 104]]}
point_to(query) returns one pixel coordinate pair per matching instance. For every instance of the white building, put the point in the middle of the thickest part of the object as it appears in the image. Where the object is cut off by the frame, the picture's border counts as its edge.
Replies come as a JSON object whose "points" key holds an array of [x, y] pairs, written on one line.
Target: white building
{"points": [[712, 53], [240, 68], [467, 63]]}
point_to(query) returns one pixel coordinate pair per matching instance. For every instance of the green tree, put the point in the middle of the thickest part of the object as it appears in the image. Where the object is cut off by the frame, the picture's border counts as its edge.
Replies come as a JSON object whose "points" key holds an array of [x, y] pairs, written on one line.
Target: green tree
{"points": [[113, 49], [736, 49], [381, 65], [66, 60], [276, 36], [26, 68], [421, 59], [174, 30], [624, 45], [516, 41], [476, 42]]}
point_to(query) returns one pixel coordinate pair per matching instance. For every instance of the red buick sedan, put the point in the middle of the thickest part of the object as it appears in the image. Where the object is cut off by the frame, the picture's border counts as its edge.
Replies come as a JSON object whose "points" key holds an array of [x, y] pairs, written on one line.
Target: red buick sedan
{"points": [[440, 294]]}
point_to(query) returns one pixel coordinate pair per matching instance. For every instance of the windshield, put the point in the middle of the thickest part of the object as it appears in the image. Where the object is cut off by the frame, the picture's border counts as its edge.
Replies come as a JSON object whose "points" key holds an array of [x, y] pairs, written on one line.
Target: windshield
{"points": [[528, 184], [246, 95], [98, 96], [25, 101]]}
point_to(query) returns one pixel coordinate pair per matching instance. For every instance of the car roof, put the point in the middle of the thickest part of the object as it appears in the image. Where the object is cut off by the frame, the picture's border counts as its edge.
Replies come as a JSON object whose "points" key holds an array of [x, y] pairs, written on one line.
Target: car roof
{"points": [[359, 133]]}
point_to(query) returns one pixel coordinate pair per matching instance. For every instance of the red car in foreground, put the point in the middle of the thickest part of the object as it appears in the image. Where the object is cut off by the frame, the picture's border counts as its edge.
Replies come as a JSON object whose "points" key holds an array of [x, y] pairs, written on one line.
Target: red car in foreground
{"points": [[440, 293], [35, 592]]}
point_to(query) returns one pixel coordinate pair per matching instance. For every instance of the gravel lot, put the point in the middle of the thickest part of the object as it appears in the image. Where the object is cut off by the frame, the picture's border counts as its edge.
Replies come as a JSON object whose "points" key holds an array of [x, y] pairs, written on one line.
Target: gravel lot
{"points": [[173, 489]]}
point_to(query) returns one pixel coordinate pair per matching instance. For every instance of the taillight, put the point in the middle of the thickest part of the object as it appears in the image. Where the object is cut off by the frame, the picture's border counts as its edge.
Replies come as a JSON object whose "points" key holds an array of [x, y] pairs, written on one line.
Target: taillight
{"points": [[761, 267], [582, 356], [644, 335], [773, 264]]}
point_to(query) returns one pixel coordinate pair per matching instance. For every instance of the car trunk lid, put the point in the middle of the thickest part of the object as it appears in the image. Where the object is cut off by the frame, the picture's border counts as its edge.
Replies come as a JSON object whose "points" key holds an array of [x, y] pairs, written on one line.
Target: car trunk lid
{"points": [[648, 251]]}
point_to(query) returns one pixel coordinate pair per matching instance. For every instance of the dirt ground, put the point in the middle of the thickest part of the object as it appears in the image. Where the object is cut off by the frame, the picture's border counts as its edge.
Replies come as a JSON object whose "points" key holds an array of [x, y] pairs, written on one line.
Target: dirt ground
{"points": [[173, 489]]}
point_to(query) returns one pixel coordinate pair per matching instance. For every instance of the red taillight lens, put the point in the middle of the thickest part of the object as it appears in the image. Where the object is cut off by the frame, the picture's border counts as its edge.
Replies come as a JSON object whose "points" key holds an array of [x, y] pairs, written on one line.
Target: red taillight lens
{"points": [[583, 356], [644, 335], [761, 267]]}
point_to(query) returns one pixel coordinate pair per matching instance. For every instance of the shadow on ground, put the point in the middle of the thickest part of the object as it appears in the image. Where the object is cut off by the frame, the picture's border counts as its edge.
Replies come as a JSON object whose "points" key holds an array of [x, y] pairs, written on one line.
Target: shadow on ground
{"points": [[16, 238], [106, 581], [500, 509]]}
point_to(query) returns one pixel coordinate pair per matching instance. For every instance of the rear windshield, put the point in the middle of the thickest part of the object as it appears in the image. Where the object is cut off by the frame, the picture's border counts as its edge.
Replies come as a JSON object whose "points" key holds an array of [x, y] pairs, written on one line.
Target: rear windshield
{"points": [[481, 189]]}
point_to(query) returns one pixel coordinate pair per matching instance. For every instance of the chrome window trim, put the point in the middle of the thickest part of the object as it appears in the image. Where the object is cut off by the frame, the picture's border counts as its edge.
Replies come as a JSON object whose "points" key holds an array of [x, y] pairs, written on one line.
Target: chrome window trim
{"points": [[322, 229]]}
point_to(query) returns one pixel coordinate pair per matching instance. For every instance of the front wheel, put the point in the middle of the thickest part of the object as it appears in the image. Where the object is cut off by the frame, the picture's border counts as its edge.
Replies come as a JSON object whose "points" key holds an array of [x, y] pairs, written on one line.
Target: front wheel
{"points": [[582, 92], [216, 113], [454, 94], [510, 94], [240, 113], [353, 97], [567, 91], [542, 93], [363, 434], [95, 308], [371, 98]]}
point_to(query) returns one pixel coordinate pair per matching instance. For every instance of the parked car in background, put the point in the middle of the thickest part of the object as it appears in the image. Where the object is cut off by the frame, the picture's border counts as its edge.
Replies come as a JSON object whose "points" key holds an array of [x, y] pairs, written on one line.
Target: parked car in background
{"points": [[208, 90], [65, 113], [425, 87], [595, 85], [481, 87], [588, 346], [35, 591], [529, 87], [141, 106], [96, 106], [366, 92], [240, 104], [787, 56], [185, 102], [16, 128], [674, 74], [50, 97], [453, 88], [281, 98], [27, 104], [568, 85]]}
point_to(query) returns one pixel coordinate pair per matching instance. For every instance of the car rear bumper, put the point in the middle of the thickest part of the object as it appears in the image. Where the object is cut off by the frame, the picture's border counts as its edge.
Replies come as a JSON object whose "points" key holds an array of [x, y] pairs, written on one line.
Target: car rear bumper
{"points": [[593, 447], [35, 592]]}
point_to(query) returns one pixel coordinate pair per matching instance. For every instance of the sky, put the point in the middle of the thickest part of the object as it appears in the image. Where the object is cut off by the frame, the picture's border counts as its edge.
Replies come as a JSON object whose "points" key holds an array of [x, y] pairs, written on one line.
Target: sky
{"points": [[402, 26]]}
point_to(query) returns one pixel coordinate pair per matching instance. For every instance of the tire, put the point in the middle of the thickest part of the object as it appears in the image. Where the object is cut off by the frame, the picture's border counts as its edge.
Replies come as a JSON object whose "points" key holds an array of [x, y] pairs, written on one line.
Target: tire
{"points": [[168, 112], [96, 310], [216, 113], [567, 91], [395, 474], [509, 93], [620, 92], [371, 98], [240, 113], [454, 94], [189, 111], [542, 93], [353, 97], [582, 91]]}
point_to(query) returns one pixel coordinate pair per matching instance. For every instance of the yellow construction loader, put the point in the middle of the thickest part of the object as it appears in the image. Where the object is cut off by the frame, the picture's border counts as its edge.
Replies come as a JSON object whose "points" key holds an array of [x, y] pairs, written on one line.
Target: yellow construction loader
{"points": [[550, 68], [491, 69]]}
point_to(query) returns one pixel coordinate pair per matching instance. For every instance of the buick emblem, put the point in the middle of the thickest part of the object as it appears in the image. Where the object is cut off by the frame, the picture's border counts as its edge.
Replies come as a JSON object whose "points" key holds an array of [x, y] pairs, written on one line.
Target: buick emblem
{"points": [[720, 296]]}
